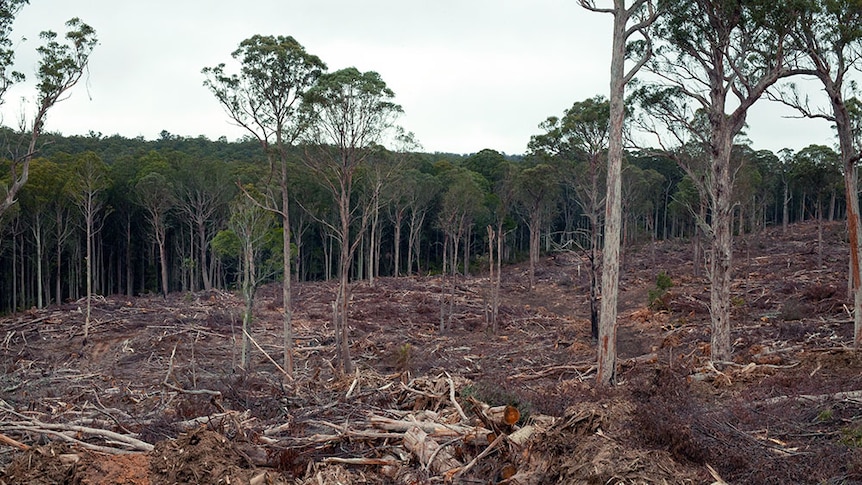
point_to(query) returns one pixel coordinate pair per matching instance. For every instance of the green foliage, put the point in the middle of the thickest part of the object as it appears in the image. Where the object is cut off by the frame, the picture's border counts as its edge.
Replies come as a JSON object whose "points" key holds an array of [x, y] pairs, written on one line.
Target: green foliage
{"points": [[265, 96], [403, 358], [581, 132], [825, 415], [226, 244], [657, 295], [63, 64]]}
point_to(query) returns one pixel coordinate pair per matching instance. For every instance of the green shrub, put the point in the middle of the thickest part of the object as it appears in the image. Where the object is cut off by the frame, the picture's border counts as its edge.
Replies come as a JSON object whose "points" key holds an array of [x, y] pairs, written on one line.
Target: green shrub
{"points": [[657, 295]]}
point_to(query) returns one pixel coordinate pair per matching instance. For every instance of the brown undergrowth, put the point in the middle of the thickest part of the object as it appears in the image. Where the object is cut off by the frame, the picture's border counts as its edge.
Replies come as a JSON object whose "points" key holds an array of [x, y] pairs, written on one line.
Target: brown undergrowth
{"points": [[162, 375]]}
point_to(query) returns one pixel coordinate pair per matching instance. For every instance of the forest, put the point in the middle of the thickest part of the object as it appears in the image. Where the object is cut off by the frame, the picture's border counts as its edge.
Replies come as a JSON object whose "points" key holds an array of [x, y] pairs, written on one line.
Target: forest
{"points": [[44, 239], [404, 289]]}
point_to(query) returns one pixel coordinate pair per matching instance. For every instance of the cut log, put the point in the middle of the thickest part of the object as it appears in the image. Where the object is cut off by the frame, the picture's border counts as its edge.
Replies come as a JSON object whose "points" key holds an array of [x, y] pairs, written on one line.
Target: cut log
{"points": [[503, 415], [479, 437], [436, 458]]}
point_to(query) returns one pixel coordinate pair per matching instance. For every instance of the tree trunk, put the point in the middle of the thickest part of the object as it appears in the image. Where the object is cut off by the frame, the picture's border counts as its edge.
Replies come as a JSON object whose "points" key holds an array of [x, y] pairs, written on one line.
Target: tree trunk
{"points": [[344, 269], [89, 260], [607, 348], [722, 242], [399, 215], [202, 247], [595, 291], [129, 275], [37, 236], [850, 158], [285, 287], [785, 218], [248, 295], [163, 261]]}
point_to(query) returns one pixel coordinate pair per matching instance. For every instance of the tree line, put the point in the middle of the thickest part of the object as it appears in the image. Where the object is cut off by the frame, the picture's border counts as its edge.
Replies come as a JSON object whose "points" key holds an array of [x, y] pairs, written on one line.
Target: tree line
{"points": [[176, 193]]}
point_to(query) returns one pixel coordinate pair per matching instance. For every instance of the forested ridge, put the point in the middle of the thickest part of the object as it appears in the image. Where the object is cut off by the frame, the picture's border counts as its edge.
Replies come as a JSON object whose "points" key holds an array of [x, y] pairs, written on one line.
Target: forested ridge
{"points": [[44, 238]]}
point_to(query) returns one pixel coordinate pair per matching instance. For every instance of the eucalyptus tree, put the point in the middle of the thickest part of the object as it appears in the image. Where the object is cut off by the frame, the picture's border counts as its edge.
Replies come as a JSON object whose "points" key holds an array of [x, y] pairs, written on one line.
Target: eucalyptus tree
{"points": [[815, 172], [45, 181], [396, 210], [264, 99], [61, 65], [122, 198], [46, 201], [716, 60], [500, 204], [746, 185], [641, 191], [382, 171], [828, 32], [60, 207], [91, 179], [582, 134], [630, 21], [350, 112], [769, 166]]}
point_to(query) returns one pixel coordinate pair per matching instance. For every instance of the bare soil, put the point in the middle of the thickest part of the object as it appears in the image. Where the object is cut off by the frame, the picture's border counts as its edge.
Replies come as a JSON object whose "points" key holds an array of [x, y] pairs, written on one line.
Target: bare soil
{"points": [[155, 394]]}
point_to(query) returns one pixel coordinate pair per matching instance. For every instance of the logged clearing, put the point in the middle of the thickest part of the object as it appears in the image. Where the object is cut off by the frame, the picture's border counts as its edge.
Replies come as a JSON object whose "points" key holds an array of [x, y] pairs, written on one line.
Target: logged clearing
{"points": [[155, 394]]}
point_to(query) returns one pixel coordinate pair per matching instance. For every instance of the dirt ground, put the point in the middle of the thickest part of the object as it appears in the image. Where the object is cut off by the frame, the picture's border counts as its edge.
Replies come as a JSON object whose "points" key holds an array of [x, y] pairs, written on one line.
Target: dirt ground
{"points": [[155, 394]]}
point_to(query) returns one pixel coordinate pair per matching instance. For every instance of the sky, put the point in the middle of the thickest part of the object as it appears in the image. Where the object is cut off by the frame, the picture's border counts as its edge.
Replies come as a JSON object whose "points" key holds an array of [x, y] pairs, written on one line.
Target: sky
{"points": [[469, 74]]}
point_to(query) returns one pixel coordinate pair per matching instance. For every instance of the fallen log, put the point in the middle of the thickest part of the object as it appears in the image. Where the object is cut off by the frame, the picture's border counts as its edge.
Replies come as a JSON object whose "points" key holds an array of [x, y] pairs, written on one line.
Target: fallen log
{"points": [[432, 456], [521, 436], [434, 429], [815, 398], [362, 461]]}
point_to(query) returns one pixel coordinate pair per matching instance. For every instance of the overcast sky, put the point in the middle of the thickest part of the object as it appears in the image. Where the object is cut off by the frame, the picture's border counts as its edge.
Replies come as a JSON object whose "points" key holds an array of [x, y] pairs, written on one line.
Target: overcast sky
{"points": [[470, 74]]}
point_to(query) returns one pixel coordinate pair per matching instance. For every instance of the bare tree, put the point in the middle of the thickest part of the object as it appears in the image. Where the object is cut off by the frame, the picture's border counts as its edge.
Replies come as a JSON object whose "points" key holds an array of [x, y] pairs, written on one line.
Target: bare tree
{"points": [[91, 179]]}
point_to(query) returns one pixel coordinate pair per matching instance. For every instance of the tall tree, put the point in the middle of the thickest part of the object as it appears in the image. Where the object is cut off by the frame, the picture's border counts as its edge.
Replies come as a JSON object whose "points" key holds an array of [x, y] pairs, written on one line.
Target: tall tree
{"points": [[629, 20], [351, 112], [264, 98], [460, 206], [718, 59], [46, 180], [422, 189], [829, 33], [60, 67]]}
